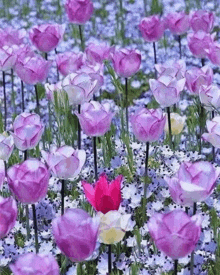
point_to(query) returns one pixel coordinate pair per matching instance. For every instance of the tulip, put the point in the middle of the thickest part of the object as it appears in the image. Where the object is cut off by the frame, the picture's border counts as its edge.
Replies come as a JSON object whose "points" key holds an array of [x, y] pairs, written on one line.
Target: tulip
{"points": [[65, 162], [52, 88], [210, 97], [199, 43], [167, 89], [79, 87], [196, 77], [6, 146], [32, 70], [95, 118], [126, 62], [173, 68], [175, 233], [23, 51], [97, 53], [8, 58], [202, 20], [104, 197], [213, 135], [177, 123], [28, 181], [69, 62], [213, 53], [46, 37], [28, 130], [148, 125], [76, 234], [79, 11], [2, 173], [8, 210], [194, 182], [10, 36], [152, 28], [113, 226], [177, 22], [32, 263]]}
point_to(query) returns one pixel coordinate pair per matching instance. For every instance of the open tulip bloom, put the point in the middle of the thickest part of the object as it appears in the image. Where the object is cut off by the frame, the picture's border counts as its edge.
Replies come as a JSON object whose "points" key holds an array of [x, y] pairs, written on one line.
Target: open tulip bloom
{"points": [[213, 135]]}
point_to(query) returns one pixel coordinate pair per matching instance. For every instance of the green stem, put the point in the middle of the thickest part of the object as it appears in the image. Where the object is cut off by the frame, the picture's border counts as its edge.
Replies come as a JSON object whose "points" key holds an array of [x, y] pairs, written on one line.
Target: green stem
{"points": [[95, 158], [62, 196], [126, 102], [169, 127], [79, 130], [5, 98], [109, 259], [35, 228], [37, 100], [81, 38]]}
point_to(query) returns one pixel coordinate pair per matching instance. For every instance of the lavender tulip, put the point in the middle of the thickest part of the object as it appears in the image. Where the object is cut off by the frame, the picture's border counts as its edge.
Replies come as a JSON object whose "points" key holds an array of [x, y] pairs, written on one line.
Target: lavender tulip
{"points": [[97, 53], [79, 11], [210, 97], [202, 20], [2, 173], [213, 135], [6, 146], [213, 53], [173, 68], [10, 36], [8, 58], [177, 22]]}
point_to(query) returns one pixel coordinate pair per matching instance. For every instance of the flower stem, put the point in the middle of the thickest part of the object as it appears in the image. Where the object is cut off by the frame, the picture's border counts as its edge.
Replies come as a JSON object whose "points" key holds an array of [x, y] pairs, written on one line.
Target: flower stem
{"points": [[169, 126], [5, 102], [22, 95], [213, 148], [192, 254], [203, 62], [81, 38], [35, 228], [109, 259], [62, 196], [155, 57], [126, 102], [175, 266], [145, 182], [201, 128], [58, 75], [26, 206], [37, 100], [79, 130], [95, 158], [180, 45]]}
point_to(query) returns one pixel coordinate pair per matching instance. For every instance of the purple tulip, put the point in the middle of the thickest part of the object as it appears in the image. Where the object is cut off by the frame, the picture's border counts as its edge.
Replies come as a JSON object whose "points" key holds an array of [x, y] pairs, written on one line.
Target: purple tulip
{"points": [[202, 20], [8, 215], [46, 37], [10, 36], [213, 135], [65, 162], [69, 62], [175, 233], [76, 234], [32, 70], [79, 11], [177, 22], [210, 97], [97, 53], [8, 58], [2, 173], [95, 118], [174, 68], [148, 125], [35, 264], [126, 62], [152, 28], [23, 51], [194, 182], [6, 146], [28, 181], [28, 130], [213, 53], [166, 89]]}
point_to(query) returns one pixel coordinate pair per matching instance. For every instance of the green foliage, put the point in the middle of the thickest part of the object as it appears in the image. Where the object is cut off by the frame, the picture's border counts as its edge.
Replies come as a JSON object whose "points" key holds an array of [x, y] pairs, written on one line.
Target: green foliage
{"points": [[20, 239], [156, 7]]}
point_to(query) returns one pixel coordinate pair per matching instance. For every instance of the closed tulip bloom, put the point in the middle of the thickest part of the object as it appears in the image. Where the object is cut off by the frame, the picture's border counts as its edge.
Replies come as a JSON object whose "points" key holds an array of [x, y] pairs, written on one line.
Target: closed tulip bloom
{"points": [[95, 118], [28, 181], [177, 123], [10, 36], [148, 125], [32, 70], [199, 43], [213, 53], [202, 20], [69, 62], [37, 264], [28, 130], [6, 146], [152, 28], [2, 173], [98, 52], [65, 162], [79, 87], [104, 196], [46, 37], [113, 226], [175, 233], [194, 182], [126, 62], [79, 11], [166, 89], [76, 234], [177, 22], [197, 77], [8, 58], [210, 97], [174, 68], [8, 210], [213, 135]]}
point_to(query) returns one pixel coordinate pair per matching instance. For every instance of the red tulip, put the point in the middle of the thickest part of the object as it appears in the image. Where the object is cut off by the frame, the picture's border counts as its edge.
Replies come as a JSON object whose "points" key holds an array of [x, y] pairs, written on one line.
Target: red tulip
{"points": [[104, 197]]}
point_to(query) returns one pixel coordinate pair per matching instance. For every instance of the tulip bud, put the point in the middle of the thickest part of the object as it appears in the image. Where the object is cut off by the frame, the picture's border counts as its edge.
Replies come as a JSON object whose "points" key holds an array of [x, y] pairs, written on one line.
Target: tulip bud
{"points": [[177, 123]]}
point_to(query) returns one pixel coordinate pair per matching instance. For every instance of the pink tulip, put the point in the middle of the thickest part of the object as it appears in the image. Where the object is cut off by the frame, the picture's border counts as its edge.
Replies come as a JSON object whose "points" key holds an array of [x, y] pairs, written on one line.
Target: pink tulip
{"points": [[95, 118], [166, 89], [98, 52], [33, 70], [76, 234], [196, 77], [9, 211], [175, 233], [202, 20], [65, 162], [103, 196], [8, 58], [213, 135], [10, 36], [126, 62], [148, 125], [2, 173], [199, 43], [194, 182], [152, 28], [213, 53], [28, 130], [210, 97], [177, 22], [37, 264], [174, 68], [46, 37], [79, 11], [69, 62], [28, 181], [6, 146], [23, 51]]}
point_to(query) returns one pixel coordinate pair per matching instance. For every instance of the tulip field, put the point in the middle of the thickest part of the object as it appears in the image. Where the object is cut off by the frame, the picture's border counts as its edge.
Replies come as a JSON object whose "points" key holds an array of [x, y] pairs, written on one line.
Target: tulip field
{"points": [[109, 137]]}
